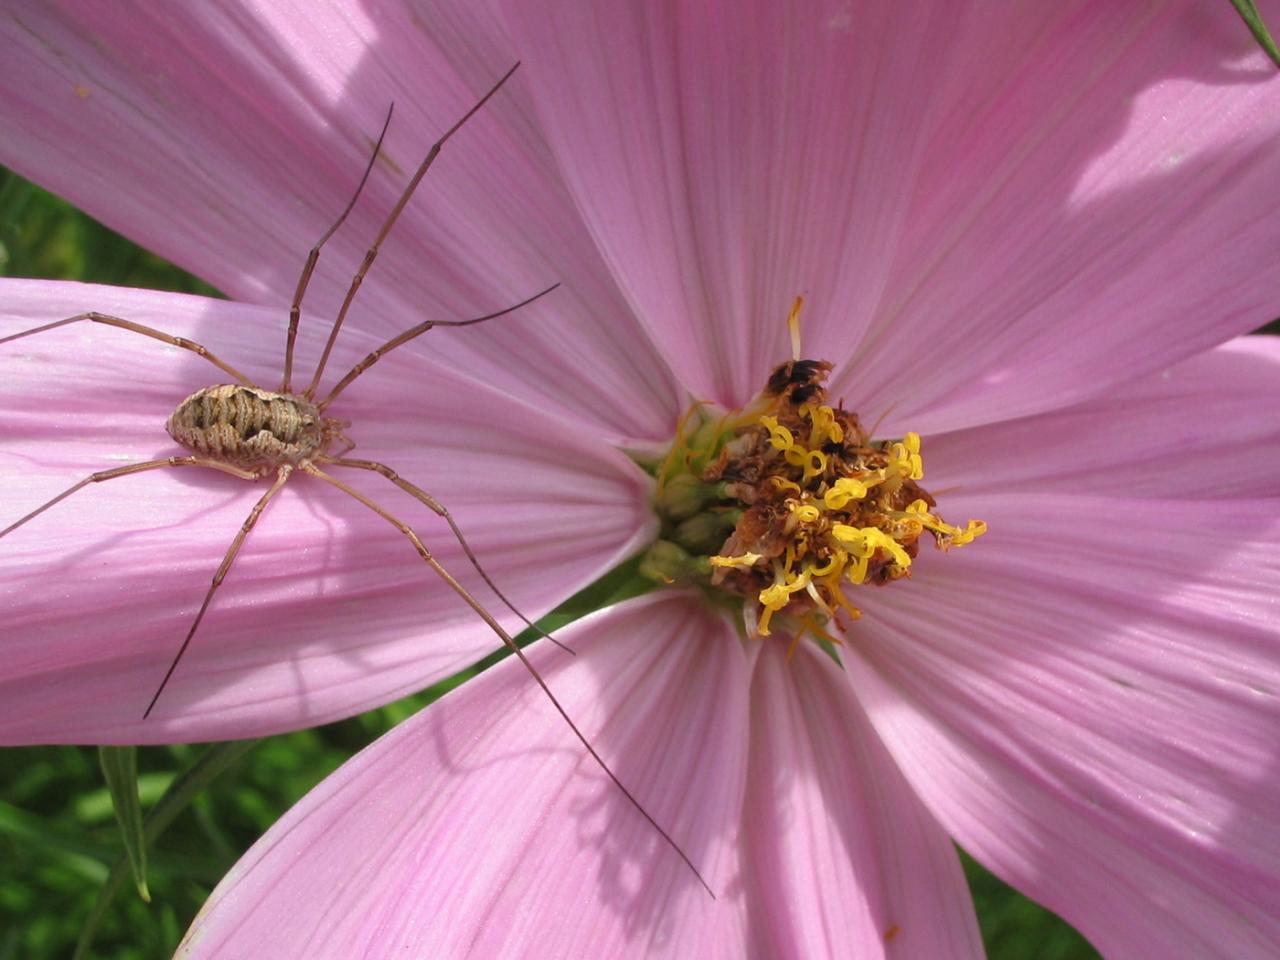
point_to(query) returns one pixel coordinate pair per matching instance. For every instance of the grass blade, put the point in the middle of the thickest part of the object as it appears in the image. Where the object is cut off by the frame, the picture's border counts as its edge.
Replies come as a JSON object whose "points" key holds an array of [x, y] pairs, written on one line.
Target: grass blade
{"points": [[120, 768], [1248, 11]]}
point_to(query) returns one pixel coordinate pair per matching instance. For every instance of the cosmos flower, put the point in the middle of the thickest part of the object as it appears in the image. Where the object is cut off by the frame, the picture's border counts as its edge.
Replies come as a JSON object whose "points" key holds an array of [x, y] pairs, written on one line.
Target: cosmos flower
{"points": [[1028, 236]]}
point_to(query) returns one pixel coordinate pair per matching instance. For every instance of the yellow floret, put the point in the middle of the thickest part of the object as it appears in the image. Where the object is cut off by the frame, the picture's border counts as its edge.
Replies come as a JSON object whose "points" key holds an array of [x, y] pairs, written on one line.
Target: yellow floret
{"points": [[804, 512], [780, 437], [907, 455], [744, 562], [842, 491]]}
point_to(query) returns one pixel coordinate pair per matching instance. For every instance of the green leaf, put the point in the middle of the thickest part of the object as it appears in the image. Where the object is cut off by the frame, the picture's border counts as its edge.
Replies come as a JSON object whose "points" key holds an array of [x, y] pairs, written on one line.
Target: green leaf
{"points": [[1248, 11], [180, 793], [120, 767]]}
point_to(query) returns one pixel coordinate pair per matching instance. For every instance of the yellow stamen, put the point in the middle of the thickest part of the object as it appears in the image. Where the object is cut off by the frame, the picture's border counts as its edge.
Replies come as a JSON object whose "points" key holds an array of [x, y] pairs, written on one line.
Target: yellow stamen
{"points": [[862, 544], [844, 490], [778, 595], [952, 536], [744, 562], [824, 427], [972, 531], [805, 513], [793, 325], [815, 464], [775, 596], [832, 583], [907, 454], [832, 565], [921, 509], [851, 538], [886, 542], [762, 624], [780, 437], [831, 425]]}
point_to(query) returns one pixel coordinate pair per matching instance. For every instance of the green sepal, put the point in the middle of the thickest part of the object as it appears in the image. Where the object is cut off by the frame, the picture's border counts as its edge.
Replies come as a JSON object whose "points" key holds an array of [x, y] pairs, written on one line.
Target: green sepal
{"points": [[120, 768], [1248, 11]]}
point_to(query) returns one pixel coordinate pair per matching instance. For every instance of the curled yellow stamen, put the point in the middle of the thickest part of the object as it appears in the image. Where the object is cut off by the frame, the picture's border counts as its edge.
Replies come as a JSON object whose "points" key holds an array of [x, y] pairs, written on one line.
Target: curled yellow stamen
{"points": [[832, 565], [907, 455], [780, 437], [824, 428], [776, 596], [952, 536], [862, 544], [973, 529], [842, 491], [815, 464], [804, 512]]}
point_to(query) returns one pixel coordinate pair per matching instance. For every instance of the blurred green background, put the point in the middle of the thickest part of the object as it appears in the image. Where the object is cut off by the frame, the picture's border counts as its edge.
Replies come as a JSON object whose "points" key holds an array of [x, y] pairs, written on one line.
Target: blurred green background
{"points": [[58, 836]]}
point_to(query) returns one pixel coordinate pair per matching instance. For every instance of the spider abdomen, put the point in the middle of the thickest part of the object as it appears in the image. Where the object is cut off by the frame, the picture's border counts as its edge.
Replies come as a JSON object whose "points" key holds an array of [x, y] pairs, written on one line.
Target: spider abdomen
{"points": [[247, 426]]}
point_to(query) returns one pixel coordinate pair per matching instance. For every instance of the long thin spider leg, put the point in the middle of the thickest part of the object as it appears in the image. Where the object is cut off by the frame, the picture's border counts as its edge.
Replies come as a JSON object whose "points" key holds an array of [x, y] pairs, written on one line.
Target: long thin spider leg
{"points": [[295, 308], [442, 511], [124, 472], [386, 228], [223, 568], [484, 614], [151, 332], [417, 331]]}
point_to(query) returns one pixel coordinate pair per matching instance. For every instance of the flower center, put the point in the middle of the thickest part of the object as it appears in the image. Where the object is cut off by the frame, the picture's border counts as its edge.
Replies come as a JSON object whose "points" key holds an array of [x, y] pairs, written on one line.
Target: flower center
{"points": [[788, 505]]}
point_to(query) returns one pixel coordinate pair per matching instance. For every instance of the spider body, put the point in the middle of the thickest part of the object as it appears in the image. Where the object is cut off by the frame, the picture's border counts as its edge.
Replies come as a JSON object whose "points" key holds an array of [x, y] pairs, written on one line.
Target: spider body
{"points": [[252, 428]]}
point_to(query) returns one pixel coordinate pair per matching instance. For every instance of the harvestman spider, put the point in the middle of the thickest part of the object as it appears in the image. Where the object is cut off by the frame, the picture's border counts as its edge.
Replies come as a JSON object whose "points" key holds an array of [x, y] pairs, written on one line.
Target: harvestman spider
{"points": [[248, 432]]}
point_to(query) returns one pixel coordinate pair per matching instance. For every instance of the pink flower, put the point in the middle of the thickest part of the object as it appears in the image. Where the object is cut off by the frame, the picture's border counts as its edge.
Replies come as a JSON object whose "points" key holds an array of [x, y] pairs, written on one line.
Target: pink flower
{"points": [[1027, 234]]}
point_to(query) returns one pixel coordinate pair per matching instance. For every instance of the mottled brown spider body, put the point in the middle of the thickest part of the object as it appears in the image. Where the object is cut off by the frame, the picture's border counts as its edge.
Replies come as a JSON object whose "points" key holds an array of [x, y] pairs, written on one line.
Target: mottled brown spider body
{"points": [[252, 428]]}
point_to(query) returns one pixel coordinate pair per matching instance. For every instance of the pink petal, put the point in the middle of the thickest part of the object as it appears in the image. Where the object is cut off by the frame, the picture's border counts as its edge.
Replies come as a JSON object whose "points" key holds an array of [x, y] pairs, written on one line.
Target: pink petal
{"points": [[228, 138], [1087, 699], [483, 802], [1206, 427], [328, 610], [1097, 204], [730, 157], [845, 860], [480, 828]]}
